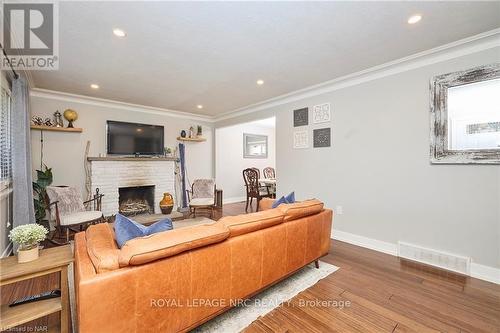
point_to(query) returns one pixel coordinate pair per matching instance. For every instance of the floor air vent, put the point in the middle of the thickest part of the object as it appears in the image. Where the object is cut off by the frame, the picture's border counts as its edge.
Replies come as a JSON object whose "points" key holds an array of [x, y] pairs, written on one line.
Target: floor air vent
{"points": [[451, 262]]}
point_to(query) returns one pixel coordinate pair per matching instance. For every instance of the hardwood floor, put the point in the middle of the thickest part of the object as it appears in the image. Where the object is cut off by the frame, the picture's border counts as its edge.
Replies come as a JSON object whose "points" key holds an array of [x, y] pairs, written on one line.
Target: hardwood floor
{"points": [[382, 293], [379, 293]]}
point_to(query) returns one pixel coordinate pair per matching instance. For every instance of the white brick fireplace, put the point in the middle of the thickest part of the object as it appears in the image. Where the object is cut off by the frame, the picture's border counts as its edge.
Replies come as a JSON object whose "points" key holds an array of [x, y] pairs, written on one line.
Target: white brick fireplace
{"points": [[111, 173]]}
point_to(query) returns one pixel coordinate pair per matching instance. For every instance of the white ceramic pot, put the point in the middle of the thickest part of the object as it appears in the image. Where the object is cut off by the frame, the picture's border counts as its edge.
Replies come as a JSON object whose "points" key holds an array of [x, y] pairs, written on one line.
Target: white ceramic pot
{"points": [[27, 255]]}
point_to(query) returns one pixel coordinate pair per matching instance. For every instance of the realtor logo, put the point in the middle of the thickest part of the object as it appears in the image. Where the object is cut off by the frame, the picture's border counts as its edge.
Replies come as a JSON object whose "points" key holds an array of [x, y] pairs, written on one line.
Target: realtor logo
{"points": [[29, 35]]}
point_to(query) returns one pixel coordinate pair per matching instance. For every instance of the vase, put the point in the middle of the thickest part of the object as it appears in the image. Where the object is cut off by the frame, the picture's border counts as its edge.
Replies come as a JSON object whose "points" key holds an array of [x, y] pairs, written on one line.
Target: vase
{"points": [[27, 255], [167, 203]]}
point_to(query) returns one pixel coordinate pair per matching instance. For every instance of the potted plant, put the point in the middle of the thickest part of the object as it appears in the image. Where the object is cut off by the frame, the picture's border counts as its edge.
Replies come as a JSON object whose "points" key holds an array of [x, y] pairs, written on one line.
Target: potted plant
{"points": [[28, 236], [44, 179]]}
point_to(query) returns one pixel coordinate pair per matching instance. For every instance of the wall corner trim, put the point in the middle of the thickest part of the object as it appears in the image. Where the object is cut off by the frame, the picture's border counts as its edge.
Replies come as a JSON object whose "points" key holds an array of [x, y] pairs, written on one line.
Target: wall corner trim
{"points": [[462, 47], [108, 103], [478, 271]]}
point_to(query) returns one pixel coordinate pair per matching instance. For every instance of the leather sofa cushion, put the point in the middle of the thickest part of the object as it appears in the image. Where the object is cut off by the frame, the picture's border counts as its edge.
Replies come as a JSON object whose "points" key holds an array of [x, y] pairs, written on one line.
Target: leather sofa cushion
{"points": [[165, 244], [243, 224], [102, 248], [301, 209]]}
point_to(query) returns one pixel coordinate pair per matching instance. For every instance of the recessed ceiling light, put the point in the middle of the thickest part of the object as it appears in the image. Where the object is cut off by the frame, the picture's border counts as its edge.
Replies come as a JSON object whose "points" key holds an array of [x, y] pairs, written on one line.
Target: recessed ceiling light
{"points": [[414, 19], [119, 33], [199, 106], [94, 86], [260, 82]]}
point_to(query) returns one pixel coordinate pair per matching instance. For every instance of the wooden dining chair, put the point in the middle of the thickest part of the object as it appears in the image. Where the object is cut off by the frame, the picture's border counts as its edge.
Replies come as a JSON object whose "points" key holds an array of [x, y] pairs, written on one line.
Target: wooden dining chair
{"points": [[253, 188], [258, 171], [269, 173]]}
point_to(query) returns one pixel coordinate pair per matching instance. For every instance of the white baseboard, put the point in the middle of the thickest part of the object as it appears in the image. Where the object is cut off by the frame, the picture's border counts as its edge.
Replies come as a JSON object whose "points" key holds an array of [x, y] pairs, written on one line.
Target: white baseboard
{"points": [[478, 271], [487, 273], [366, 242], [234, 199], [7, 251]]}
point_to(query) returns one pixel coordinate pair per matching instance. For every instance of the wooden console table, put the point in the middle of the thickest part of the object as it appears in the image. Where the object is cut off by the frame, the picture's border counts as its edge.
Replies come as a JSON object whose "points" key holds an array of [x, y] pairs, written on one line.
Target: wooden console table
{"points": [[51, 260]]}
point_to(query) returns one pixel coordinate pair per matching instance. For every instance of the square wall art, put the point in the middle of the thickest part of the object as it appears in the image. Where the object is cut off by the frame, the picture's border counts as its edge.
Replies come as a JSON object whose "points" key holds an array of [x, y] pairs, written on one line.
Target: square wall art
{"points": [[322, 137], [321, 113], [301, 117], [300, 139]]}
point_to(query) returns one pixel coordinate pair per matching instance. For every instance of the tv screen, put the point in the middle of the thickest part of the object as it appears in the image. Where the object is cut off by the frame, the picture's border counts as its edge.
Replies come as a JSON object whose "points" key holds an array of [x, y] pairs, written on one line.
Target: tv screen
{"points": [[134, 139]]}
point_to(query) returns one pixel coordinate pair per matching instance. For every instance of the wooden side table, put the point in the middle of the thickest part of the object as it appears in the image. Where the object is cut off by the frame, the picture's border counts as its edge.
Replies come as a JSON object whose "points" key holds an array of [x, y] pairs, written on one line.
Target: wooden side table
{"points": [[50, 261]]}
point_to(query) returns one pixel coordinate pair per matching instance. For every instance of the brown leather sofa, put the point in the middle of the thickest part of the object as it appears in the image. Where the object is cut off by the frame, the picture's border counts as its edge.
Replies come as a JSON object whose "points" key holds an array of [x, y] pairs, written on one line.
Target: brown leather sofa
{"points": [[176, 280]]}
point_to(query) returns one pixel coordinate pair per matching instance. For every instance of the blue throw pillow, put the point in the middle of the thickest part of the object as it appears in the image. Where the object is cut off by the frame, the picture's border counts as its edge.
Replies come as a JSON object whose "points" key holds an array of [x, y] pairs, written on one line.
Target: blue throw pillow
{"points": [[127, 229], [290, 198], [162, 225], [278, 202]]}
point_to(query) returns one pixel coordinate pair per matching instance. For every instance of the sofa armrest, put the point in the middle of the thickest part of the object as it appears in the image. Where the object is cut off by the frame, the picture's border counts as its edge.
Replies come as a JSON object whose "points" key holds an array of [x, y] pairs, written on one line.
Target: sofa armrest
{"points": [[266, 203]]}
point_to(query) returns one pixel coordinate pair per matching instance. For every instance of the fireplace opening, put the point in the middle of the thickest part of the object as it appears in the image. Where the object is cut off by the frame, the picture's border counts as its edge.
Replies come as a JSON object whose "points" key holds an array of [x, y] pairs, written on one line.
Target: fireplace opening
{"points": [[136, 200]]}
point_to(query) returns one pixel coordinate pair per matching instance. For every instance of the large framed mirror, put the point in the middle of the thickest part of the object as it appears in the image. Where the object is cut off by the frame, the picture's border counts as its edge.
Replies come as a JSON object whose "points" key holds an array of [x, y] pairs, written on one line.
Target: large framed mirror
{"points": [[465, 116], [254, 146]]}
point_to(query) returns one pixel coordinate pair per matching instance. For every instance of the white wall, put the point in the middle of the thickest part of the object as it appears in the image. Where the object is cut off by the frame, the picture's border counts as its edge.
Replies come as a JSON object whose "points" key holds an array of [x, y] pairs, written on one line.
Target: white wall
{"points": [[378, 168], [229, 159], [64, 152]]}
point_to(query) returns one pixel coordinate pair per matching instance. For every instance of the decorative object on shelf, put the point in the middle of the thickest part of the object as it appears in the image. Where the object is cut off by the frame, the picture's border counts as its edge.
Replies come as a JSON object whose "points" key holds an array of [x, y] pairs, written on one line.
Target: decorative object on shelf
{"points": [[322, 137], [191, 132], [28, 236], [321, 113], [48, 122], [168, 152], [199, 131], [301, 139], [58, 119], [301, 117], [167, 203], [183, 134], [37, 120], [70, 116]]}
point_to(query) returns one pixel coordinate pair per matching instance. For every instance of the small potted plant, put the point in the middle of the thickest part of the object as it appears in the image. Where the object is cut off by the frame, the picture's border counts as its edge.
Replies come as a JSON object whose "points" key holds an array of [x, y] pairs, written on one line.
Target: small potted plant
{"points": [[28, 236], [168, 152]]}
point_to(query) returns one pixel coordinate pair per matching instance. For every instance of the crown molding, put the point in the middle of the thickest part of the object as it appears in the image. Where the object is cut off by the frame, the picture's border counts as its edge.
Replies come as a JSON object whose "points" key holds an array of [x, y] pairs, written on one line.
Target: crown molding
{"points": [[108, 103], [462, 47]]}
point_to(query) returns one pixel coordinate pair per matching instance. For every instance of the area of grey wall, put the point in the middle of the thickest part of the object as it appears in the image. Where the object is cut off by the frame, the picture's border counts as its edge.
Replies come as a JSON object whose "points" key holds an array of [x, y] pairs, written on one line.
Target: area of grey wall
{"points": [[378, 167], [229, 159], [64, 152]]}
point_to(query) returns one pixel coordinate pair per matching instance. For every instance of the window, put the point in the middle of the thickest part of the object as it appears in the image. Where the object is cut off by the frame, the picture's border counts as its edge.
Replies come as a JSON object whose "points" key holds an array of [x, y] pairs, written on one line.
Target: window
{"points": [[5, 137], [254, 146], [465, 116]]}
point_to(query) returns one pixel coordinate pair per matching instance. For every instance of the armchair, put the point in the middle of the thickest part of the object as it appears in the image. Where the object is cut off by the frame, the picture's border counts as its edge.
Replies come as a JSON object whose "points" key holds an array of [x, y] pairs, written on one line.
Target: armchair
{"points": [[202, 195], [67, 208]]}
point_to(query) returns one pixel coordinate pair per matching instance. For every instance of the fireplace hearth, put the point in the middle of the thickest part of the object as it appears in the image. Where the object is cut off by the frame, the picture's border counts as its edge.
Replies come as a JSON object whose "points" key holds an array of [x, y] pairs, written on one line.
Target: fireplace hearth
{"points": [[135, 200]]}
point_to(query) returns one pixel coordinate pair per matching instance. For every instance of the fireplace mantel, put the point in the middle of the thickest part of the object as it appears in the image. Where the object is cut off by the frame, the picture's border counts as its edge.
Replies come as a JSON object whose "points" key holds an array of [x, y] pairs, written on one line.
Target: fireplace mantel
{"points": [[111, 173], [130, 159]]}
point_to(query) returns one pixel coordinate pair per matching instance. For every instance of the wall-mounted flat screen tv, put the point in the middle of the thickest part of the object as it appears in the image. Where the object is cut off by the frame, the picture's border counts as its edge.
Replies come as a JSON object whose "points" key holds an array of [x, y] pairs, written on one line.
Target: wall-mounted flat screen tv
{"points": [[134, 139]]}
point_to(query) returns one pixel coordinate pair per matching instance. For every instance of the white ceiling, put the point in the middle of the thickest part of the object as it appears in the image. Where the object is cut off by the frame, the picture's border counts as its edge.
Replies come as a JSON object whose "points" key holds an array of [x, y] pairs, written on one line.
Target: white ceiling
{"points": [[180, 54]]}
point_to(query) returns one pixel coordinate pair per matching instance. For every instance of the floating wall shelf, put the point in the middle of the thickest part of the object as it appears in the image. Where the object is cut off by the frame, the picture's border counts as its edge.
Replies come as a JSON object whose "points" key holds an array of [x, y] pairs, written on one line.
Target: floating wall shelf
{"points": [[56, 129], [199, 139]]}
